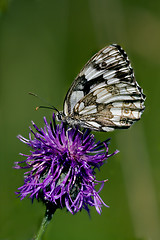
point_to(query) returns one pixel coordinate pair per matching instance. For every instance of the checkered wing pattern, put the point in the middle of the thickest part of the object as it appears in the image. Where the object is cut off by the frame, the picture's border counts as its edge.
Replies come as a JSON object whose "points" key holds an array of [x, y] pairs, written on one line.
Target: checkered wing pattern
{"points": [[105, 94]]}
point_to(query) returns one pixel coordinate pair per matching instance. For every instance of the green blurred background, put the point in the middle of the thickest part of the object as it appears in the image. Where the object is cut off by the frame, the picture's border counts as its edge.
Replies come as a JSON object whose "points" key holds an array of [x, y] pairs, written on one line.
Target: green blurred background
{"points": [[43, 46]]}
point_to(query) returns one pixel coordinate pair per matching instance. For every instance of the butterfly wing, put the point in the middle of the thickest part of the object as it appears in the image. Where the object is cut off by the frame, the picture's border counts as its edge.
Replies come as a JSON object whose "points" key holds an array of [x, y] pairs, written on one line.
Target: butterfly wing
{"points": [[105, 94], [110, 107]]}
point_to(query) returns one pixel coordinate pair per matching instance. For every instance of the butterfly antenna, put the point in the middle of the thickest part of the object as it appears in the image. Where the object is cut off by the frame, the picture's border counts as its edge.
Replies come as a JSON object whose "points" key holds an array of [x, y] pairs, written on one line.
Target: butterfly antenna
{"points": [[43, 100]]}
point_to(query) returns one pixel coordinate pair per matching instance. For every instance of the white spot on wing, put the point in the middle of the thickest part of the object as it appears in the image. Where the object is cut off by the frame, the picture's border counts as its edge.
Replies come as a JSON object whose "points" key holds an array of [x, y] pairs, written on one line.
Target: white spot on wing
{"points": [[107, 129], [102, 98], [100, 92], [137, 104], [92, 73], [81, 106], [112, 52], [117, 104], [94, 124], [94, 87], [109, 74], [112, 81], [112, 99], [110, 60], [107, 49], [65, 108], [89, 110], [136, 114], [103, 93], [116, 111], [75, 97], [88, 70]]}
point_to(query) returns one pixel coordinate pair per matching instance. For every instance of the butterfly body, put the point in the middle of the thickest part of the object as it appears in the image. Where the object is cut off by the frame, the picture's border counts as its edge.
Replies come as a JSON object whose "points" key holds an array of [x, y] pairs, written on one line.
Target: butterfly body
{"points": [[105, 94]]}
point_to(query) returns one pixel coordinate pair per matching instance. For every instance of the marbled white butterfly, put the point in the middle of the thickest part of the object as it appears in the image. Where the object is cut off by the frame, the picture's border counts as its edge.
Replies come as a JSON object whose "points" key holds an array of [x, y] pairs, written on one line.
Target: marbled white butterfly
{"points": [[105, 94]]}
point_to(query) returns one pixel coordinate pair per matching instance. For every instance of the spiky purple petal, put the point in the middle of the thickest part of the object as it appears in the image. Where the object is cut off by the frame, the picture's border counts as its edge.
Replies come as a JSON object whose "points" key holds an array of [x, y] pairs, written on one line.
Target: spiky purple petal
{"points": [[62, 167]]}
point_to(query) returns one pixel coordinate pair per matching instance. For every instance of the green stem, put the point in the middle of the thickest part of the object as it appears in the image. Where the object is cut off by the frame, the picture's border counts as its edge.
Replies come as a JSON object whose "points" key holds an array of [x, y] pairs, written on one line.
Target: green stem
{"points": [[46, 220]]}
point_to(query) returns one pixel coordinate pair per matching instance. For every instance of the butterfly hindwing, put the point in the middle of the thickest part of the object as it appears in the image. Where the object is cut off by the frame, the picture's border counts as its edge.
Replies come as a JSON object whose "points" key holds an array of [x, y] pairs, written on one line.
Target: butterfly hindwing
{"points": [[105, 94], [114, 109]]}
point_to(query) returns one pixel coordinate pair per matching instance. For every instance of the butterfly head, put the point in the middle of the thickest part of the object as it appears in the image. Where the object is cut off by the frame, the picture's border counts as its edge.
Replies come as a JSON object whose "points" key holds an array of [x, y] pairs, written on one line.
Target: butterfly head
{"points": [[60, 116]]}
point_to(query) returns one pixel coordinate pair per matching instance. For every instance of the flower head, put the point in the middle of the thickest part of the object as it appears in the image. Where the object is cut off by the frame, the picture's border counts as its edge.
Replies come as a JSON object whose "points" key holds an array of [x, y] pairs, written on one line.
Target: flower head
{"points": [[62, 167]]}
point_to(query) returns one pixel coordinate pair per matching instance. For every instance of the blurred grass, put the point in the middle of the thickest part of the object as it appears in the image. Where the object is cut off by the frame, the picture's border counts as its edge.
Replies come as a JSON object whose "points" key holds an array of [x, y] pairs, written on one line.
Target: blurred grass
{"points": [[43, 46], [4, 5]]}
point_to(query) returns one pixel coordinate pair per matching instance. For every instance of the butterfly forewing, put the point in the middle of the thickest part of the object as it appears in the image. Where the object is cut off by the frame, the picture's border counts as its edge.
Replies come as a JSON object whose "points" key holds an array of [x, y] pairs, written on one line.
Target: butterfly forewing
{"points": [[105, 94]]}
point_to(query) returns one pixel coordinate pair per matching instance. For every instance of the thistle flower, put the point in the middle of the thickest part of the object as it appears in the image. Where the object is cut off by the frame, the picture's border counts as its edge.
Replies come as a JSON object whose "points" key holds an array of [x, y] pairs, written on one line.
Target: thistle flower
{"points": [[62, 166]]}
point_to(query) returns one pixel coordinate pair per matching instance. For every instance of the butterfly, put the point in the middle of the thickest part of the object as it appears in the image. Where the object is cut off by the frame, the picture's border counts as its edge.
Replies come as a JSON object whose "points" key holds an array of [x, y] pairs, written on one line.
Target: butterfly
{"points": [[105, 95]]}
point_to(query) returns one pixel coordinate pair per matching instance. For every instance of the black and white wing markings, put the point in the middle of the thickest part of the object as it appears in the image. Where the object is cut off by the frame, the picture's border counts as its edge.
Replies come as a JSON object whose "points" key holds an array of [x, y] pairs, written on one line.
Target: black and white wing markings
{"points": [[105, 94], [102, 112]]}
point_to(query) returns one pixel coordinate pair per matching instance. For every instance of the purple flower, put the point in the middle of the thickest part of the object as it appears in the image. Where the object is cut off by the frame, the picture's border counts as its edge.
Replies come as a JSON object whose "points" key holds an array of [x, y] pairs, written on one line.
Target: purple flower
{"points": [[62, 166]]}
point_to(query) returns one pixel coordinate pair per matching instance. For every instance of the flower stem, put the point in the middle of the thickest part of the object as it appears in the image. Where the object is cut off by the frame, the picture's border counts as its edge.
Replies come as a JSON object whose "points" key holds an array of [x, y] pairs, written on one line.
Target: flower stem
{"points": [[46, 220]]}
